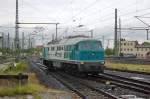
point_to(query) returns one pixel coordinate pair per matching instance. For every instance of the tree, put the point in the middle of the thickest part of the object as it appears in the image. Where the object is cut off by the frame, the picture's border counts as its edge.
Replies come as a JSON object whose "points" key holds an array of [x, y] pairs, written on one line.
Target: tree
{"points": [[146, 43], [109, 51]]}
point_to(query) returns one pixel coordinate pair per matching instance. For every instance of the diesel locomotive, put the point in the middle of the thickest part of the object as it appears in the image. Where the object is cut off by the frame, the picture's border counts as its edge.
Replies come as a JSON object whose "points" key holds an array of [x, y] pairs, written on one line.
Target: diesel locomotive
{"points": [[77, 54]]}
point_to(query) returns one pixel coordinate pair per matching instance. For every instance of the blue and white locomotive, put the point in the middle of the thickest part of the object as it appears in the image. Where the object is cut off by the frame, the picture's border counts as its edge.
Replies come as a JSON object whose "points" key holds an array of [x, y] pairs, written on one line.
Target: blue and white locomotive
{"points": [[78, 54]]}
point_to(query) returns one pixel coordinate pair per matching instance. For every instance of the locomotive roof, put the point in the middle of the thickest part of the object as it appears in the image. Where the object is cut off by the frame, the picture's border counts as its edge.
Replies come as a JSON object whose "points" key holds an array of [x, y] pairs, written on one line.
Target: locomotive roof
{"points": [[72, 40]]}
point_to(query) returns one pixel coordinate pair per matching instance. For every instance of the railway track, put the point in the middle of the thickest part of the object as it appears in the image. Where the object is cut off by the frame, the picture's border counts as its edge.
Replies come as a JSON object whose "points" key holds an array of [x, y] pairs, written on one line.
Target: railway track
{"points": [[82, 89], [132, 84], [69, 86], [108, 89], [85, 90], [127, 71], [130, 79]]}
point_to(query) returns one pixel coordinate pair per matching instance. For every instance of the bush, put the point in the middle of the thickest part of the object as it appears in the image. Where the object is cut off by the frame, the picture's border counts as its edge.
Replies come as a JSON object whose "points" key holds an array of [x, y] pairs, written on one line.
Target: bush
{"points": [[109, 51], [20, 67]]}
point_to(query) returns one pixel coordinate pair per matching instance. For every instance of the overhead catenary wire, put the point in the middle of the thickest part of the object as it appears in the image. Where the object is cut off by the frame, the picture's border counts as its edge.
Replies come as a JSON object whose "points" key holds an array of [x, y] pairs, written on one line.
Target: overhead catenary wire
{"points": [[121, 15], [83, 8], [87, 7], [145, 14], [104, 18], [36, 9], [127, 14], [86, 16], [103, 8], [63, 9]]}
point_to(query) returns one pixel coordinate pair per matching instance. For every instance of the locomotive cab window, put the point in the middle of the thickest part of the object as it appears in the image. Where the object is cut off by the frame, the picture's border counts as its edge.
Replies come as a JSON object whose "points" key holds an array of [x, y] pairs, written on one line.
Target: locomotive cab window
{"points": [[90, 45]]}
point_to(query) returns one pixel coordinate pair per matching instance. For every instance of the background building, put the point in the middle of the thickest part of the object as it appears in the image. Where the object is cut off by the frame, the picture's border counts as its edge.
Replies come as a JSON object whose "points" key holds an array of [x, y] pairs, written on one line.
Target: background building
{"points": [[134, 48]]}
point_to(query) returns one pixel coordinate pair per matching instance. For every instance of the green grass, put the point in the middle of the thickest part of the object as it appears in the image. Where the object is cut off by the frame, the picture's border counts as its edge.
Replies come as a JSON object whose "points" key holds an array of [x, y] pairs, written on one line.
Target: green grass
{"points": [[33, 87], [28, 89], [15, 68], [128, 67]]}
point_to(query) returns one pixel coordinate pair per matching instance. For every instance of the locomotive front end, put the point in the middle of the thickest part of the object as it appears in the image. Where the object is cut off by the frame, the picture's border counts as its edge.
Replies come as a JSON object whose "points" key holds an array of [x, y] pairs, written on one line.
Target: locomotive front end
{"points": [[91, 56]]}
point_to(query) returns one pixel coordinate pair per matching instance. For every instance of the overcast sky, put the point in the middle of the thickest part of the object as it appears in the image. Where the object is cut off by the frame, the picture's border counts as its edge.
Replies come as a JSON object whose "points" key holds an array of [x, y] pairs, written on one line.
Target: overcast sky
{"points": [[93, 14]]}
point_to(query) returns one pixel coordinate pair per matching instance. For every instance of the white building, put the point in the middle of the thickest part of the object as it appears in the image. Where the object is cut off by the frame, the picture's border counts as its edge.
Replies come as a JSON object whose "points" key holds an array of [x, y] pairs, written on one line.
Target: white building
{"points": [[134, 48]]}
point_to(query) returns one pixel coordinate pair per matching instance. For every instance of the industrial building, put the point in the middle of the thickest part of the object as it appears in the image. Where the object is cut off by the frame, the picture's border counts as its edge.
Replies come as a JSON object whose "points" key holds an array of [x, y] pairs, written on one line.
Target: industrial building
{"points": [[134, 48]]}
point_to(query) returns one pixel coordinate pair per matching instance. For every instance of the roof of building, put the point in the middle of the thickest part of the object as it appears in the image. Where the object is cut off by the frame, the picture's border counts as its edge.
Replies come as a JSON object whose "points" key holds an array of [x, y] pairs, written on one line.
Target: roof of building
{"points": [[128, 41], [143, 45]]}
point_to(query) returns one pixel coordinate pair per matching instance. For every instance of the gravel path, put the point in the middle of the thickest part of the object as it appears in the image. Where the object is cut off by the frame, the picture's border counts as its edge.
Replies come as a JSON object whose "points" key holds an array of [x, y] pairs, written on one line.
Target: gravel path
{"points": [[50, 82], [46, 79]]}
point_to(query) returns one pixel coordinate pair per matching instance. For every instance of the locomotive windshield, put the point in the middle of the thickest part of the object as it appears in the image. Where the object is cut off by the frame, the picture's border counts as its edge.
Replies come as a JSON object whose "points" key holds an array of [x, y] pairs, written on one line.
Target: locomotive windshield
{"points": [[90, 45]]}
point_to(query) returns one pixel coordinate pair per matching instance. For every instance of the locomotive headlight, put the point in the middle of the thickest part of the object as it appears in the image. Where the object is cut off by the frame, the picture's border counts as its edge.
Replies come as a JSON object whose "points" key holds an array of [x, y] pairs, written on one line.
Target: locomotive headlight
{"points": [[93, 54], [82, 62], [102, 62]]}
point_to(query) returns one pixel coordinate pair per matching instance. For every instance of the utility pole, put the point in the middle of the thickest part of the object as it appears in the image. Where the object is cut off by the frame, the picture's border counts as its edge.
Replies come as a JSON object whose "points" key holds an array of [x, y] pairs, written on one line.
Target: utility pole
{"points": [[22, 44], [56, 30], [12, 45], [17, 32], [138, 17], [8, 41], [29, 42], [91, 33], [23, 41], [107, 43], [52, 37], [115, 37], [103, 38], [2, 43], [2, 40], [119, 37], [147, 30], [5, 41]]}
